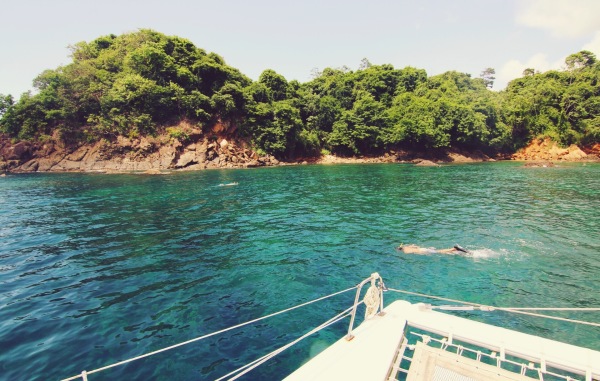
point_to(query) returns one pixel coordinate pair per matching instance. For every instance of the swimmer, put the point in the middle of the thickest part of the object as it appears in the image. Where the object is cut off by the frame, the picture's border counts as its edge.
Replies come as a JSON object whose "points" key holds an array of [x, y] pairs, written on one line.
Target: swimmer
{"points": [[414, 249]]}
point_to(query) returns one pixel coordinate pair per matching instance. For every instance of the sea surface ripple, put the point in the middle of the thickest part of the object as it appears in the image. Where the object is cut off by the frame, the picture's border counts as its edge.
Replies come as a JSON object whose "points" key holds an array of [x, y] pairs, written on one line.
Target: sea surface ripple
{"points": [[95, 269]]}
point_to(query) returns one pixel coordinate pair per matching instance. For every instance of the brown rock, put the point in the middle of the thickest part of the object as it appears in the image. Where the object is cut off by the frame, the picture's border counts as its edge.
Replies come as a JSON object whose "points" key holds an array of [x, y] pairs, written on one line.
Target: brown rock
{"points": [[427, 163], [187, 158], [30, 166], [19, 151], [45, 150], [210, 155], [203, 148], [574, 153], [124, 142], [195, 133], [78, 154], [166, 156], [145, 145], [46, 163], [548, 150]]}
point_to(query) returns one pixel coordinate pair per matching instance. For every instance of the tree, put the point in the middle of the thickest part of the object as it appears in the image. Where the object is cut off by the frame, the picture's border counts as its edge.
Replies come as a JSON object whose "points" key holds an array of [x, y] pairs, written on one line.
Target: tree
{"points": [[6, 102], [275, 83], [580, 60], [274, 127], [364, 64], [7, 115], [528, 72], [140, 82], [488, 76], [358, 130], [130, 84], [410, 78], [315, 72]]}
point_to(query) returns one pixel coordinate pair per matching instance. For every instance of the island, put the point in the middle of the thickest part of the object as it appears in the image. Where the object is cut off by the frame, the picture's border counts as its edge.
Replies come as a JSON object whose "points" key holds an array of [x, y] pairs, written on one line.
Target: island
{"points": [[144, 101]]}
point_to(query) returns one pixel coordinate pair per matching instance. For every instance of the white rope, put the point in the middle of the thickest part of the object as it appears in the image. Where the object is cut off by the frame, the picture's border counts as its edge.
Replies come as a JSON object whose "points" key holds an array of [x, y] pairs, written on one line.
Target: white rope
{"points": [[551, 317], [491, 308], [371, 300], [433, 297], [583, 309], [252, 365], [208, 335], [516, 310]]}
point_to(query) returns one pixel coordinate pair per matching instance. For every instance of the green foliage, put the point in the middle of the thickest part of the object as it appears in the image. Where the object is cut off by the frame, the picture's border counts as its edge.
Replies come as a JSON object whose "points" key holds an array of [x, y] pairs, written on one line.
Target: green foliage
{"points": [[583, 59], [276, 85], [128, 85], [7, 114], [561, 105], [136, 83], [178, 133], [488, 77], [448, 110]]}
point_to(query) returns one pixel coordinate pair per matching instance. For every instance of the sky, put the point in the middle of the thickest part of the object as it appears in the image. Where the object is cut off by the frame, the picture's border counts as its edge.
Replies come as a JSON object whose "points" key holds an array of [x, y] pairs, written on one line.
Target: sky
{"points": [[296, 37]]}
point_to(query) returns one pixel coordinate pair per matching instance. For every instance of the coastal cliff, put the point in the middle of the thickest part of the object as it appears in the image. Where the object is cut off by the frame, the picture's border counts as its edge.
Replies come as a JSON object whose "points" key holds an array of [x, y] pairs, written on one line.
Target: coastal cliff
{"points": [[125, 155], [197, 151]]}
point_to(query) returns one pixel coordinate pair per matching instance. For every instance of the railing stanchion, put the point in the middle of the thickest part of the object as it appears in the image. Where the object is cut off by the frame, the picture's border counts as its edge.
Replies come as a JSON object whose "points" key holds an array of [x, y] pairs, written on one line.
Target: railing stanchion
{"points": [[373, 277]]}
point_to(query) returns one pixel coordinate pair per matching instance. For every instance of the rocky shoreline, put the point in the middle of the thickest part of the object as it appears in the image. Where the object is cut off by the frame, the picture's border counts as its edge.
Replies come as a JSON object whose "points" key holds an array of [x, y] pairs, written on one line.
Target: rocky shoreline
{"points": [[197, 152], [129, 155]]}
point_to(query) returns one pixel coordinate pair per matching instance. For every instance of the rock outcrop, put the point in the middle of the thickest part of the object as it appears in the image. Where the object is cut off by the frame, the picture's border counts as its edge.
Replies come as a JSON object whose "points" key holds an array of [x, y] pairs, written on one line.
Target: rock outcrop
{"points": [[145, 154], [426, 163], [195, 151], [547, 150]]}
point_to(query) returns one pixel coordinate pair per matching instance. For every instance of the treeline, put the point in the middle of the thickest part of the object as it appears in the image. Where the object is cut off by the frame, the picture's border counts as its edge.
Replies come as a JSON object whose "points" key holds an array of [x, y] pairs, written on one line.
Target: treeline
{"points": [[138, 83]]}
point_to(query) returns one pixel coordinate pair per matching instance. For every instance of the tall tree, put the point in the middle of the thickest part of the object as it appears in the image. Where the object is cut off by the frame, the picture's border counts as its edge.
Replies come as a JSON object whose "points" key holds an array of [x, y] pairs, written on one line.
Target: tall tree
{"points": [[488, 76], [580, 60], [6, 101], [276, 83]]}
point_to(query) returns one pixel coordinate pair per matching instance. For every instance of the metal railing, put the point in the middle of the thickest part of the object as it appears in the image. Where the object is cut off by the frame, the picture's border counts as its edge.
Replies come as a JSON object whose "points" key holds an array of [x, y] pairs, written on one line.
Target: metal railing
{"points": [[381, 287]]}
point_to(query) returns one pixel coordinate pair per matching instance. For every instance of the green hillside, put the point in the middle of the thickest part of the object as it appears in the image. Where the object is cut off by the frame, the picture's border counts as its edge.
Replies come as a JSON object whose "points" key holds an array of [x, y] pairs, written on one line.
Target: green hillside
{"points": [[139, 83]]}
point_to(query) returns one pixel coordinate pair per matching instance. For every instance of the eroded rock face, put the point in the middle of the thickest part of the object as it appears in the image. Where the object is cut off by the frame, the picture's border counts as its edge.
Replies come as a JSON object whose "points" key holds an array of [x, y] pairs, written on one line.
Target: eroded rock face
{"points": [[186, 159], [125, 155], [20, 151], [547, 150], [201, 151]]}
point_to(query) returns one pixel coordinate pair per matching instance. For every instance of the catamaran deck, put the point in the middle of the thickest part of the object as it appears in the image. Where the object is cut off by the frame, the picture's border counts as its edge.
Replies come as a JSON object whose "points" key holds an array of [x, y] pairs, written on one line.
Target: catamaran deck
{"points": [[377, 351]]}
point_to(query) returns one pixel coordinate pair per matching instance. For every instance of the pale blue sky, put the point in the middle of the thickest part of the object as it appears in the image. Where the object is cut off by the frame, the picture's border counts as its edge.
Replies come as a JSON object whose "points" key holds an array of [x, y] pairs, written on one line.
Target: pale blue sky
{"points": [[293, 37]]}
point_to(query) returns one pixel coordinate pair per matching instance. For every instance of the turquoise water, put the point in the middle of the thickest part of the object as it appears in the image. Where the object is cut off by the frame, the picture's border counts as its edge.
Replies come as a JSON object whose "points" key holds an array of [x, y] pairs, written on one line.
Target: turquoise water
{"points": [[95, 269]]}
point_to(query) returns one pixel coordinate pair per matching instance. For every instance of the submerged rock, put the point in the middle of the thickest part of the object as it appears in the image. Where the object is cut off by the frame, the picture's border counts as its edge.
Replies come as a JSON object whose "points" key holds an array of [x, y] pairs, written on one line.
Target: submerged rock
{"points": [[546, 164], [153, 171], [427, 163]]}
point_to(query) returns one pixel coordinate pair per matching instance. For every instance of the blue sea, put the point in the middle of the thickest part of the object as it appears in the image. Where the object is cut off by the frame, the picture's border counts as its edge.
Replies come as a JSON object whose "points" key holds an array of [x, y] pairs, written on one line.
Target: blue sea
{"points": [[98, 268]]}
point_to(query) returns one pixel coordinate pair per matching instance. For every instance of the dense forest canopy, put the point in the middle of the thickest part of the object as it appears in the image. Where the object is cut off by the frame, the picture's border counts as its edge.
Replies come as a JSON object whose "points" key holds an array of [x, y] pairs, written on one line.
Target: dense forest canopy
{"points": [[139, 83]]}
